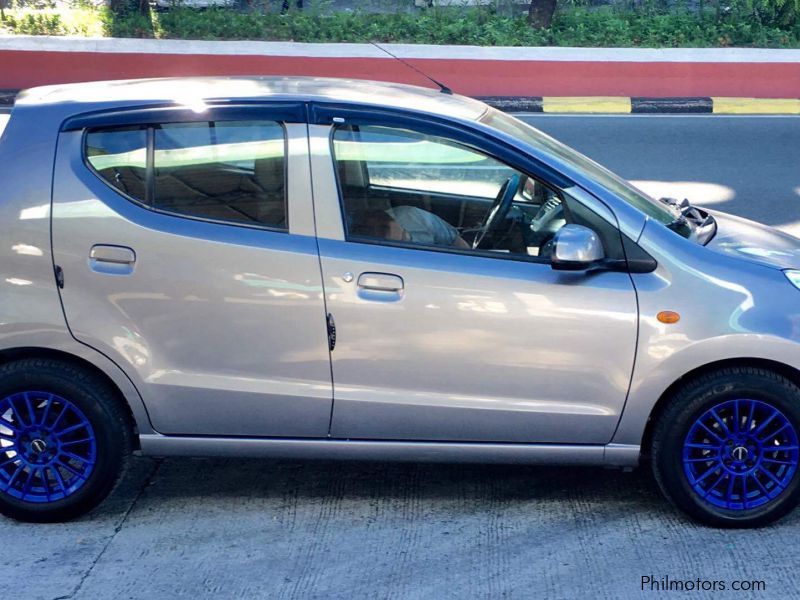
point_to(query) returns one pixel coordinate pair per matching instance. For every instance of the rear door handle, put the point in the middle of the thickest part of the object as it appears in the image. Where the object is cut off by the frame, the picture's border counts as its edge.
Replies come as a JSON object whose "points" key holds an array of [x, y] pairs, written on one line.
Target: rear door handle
{"points": [[112, 254], [112, 260], [380, 282]]}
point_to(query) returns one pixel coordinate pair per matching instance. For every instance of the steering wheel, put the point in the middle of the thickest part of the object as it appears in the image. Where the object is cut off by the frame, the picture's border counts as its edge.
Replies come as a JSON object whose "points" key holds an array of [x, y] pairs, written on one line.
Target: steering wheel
{"points": [[500, 207]]}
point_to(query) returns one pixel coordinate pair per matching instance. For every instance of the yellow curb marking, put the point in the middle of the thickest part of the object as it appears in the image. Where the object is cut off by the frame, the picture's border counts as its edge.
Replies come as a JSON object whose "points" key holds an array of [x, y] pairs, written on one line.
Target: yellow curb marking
{"points": [[750, 106], [586, 104]]}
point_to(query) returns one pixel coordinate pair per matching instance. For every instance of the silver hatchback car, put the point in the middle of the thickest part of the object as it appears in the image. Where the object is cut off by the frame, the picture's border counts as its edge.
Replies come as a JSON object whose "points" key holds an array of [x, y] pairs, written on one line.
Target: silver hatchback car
{"points": [[318, 268]]}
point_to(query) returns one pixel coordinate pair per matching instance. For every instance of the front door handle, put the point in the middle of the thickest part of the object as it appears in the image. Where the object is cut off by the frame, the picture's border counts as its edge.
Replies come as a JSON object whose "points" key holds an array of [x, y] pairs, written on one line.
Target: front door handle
{"points": [[380, 287], [380, 282], [112, 260]]}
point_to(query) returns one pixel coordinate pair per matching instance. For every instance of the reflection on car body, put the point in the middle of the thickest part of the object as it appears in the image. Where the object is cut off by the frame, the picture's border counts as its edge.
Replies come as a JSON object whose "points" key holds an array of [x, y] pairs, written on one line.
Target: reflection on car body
{"points": [[342, 269]]}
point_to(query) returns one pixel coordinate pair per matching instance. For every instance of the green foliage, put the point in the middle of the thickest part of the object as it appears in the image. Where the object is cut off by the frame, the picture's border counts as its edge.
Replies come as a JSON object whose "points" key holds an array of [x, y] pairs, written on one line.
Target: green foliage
{"points": [[776, 13], [50, 21], [759, 23]]}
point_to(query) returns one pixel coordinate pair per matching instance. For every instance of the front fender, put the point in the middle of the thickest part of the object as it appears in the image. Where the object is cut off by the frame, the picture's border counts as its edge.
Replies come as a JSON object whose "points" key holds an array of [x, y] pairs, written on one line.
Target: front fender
{"points": [[729, 309], [650, 382]]}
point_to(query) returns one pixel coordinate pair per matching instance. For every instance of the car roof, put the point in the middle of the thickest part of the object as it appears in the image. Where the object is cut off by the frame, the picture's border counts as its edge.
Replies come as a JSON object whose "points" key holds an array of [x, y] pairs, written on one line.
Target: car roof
{"points": [[194, 90]]}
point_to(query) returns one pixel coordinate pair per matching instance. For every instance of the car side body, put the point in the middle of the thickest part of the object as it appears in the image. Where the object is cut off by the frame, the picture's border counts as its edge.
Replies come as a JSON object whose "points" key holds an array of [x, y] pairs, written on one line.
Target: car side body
{"points": [[297, 341]]}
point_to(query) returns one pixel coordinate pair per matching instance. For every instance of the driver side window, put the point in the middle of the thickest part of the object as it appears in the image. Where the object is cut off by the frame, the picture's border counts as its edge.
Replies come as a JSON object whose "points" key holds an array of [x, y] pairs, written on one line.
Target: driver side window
{"points": [[403, 187]]}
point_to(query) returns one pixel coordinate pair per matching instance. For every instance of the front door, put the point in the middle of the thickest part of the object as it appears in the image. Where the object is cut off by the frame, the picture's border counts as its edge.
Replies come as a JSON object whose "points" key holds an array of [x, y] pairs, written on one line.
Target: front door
{"points": [[188, 255], [450, 322]]}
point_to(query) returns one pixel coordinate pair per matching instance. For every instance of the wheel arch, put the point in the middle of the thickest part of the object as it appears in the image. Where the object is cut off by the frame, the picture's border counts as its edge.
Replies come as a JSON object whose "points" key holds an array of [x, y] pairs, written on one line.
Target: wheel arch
{"points": [[118, 382], [791, 373]]}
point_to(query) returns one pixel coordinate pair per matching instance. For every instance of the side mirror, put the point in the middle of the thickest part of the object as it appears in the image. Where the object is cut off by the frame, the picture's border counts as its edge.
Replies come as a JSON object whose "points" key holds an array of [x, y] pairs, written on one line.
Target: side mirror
{"points": [[576, 248]]}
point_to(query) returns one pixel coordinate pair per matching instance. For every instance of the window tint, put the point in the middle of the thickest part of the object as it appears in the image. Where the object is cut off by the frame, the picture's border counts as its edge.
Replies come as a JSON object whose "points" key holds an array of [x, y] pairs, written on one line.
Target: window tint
{"points": [[631, 194], [224, 171], [120, 157], [229, 171], [406, 187], [409, 160]]}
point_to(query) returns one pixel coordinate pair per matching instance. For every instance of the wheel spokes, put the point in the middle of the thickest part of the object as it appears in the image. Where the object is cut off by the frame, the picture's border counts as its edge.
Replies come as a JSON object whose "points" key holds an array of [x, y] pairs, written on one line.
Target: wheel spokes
{"points": [[721, 422], [774, 435], [729, 457], [702, 459], [28, 482], [766, 422], [71, 469], [59, 479], [710, 431], [29, 406], [9, 425], [771, 476], [72, 428], [714, 485], [702, 446], [20, 469], [9, 461], [729, 492], [36, 473], [16, 413], [59, 417], [46, 411], [76, 457], [72, 443], [749, 422]]}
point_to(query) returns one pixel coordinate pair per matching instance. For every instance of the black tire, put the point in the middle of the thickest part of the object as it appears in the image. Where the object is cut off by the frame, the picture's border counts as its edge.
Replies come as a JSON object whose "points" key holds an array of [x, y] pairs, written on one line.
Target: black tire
{"points": [[106, 413], [692, 401]]}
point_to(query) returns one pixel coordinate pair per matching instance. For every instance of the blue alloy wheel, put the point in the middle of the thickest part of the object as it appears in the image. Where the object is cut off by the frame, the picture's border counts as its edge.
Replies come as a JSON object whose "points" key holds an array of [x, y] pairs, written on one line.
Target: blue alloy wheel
{"points": [[740, 454], [48, 448]]}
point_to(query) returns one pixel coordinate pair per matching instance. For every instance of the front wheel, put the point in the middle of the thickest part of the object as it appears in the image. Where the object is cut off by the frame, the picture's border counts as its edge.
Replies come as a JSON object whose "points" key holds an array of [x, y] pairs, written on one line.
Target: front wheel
{"points": [[64, 440], [726, 451]]}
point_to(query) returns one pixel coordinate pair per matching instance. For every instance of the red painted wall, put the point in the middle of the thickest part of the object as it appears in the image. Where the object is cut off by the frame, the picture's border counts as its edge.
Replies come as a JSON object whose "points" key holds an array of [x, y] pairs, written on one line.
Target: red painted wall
{"points": [[21, 69]]}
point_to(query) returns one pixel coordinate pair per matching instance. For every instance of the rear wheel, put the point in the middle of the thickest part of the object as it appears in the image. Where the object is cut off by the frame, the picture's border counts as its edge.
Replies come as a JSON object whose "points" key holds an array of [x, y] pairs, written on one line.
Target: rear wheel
{"points": [[726, 450], [64, 440]]}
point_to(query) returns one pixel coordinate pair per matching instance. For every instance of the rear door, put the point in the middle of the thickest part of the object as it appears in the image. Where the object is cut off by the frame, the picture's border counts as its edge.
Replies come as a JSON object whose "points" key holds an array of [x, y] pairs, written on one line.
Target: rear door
{"points": [[187, 248]]}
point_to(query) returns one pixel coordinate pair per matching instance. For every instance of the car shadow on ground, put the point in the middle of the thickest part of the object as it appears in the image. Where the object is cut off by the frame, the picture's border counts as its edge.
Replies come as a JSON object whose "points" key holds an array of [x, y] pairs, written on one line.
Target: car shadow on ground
{"points": [[174, 486], [174, 480]]}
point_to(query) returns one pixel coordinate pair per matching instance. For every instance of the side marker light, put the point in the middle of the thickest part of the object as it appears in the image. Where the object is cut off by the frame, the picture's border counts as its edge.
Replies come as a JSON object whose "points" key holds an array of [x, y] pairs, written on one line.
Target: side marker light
{"points": [[668, 317]]}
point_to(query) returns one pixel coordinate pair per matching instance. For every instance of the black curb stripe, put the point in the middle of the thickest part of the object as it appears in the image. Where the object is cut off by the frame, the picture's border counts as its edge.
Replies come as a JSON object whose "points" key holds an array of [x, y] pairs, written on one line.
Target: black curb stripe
{"points": [[514, 103], [672, 105]]}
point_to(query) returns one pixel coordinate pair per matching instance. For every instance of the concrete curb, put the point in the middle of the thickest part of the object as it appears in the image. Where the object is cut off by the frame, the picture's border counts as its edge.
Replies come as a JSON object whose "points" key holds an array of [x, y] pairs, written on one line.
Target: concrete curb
{"points": [[44, 43], [635, 105]]}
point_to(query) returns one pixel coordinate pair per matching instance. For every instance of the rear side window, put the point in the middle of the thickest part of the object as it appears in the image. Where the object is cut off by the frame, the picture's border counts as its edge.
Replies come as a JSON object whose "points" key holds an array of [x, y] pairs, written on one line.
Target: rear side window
{"points": [[120, 157], [228, 171]]}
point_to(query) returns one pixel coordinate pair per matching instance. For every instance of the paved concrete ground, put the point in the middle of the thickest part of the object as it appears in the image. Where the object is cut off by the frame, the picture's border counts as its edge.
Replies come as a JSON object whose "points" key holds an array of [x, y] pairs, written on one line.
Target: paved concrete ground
{"points": [[189, 528]]}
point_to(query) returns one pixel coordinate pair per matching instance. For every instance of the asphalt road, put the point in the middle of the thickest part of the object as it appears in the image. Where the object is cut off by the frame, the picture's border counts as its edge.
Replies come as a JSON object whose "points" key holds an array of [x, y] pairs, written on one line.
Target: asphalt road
{"points": [[748, 166], [192, 528]]}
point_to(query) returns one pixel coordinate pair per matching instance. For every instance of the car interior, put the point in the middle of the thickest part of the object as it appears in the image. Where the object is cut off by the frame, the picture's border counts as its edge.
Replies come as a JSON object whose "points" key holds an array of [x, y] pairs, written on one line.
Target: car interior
{"points": [[239, 179], [390, 180], [493, 207]]}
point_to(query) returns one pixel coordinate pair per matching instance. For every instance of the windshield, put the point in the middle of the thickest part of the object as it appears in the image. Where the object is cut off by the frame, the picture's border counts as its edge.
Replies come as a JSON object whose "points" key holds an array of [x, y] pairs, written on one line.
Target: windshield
{"points": [[521, 130]]}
